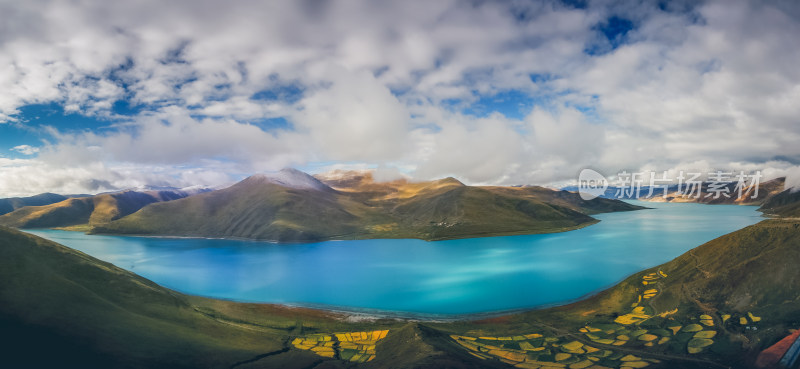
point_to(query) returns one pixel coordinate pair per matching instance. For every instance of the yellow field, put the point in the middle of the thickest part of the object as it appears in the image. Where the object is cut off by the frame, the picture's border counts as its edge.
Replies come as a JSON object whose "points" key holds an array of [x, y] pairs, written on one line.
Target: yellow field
{"points": [[537, 351], [540, 352], [668, 313], [705, 334], [692, 328], [349, 346]]}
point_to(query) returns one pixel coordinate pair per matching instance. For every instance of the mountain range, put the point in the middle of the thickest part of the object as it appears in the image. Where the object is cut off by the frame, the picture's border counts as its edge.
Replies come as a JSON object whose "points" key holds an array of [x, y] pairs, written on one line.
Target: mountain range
{"points": [[293, 206], [8, 205], [81, 213]]}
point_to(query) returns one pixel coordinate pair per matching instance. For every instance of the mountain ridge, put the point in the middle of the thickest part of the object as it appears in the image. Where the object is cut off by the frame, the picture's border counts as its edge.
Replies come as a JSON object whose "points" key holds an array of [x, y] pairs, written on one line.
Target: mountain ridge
{"points": [[295, 207], [291, 178], [783, 204], [84, 212], [10, 204]]}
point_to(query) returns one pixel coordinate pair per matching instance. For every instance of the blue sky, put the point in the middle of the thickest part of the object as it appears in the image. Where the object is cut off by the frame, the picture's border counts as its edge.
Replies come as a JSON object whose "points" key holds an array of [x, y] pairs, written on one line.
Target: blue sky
{"points": [[206, 92], [32, 120]]}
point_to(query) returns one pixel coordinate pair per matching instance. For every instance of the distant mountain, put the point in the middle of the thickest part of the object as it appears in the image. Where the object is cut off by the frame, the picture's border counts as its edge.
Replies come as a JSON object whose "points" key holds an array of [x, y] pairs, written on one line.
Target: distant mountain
{"points": [[292, 178], [10, 204], [294, 206], [87, 211], [398, 190], [707, 196], [785, 204], [256, 207], [161, 190]]}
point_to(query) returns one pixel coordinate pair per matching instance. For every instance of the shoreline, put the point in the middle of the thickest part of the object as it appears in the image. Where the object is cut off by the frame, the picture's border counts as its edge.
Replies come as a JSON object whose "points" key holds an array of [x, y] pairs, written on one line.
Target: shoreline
{"points": [[274, 242], [356, 314]]}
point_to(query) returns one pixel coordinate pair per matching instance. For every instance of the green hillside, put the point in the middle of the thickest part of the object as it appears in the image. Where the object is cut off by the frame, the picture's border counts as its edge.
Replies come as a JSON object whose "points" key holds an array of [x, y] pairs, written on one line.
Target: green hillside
{"points": [[13, 203], [464, 211], [785, 204], [250, 209], [741, 290], [85, 211], [356, 208], [60, 306]]}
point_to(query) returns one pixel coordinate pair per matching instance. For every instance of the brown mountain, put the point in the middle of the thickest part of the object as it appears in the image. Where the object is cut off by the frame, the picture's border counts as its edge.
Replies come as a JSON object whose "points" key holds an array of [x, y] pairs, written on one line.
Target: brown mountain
{"points": [[293, 206], [784, 204], [10, 204], [749, 196], [86, 211]]}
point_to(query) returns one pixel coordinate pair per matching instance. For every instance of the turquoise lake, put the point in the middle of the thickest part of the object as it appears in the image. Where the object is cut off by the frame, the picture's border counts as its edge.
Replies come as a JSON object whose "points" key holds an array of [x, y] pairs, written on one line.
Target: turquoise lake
{"points": [[442, 278]]}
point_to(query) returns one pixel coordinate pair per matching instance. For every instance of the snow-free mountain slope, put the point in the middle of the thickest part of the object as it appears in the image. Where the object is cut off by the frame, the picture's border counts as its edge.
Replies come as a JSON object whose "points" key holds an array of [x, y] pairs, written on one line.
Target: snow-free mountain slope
{"points": [[88, 211], [293, 206]]}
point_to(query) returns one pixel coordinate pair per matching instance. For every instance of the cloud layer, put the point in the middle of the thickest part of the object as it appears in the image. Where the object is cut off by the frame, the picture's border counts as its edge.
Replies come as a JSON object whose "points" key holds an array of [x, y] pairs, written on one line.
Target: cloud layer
{"points": [[489, 92]]}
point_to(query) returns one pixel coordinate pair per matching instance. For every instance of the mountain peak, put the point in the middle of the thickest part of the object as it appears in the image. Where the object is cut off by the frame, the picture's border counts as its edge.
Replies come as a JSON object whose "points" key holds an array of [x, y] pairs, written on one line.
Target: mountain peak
{"points": [[292, 178], [449, 181]]}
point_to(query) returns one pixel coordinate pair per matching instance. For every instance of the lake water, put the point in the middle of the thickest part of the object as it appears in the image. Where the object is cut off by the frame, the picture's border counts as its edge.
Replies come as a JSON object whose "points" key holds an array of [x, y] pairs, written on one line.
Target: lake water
{"points": [[412, 276]]}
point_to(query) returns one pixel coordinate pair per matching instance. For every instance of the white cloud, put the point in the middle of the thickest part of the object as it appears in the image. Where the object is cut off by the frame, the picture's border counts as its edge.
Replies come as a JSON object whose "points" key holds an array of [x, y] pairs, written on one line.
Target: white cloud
{"points": [[356, 118], [793, 179], [25, 149], [25, 177], [475, 150], [172, 137], [714, 82]]}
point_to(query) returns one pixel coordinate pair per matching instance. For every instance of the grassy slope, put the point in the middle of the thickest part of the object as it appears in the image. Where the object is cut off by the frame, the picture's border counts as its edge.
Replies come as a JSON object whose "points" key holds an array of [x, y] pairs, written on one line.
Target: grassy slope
{"points": [[90, 210], [567, 199], [10, 204], [750, 270], [250, 209], [463, 211], [430, 210], [447, 208], [785, 204], [110, 316]]}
